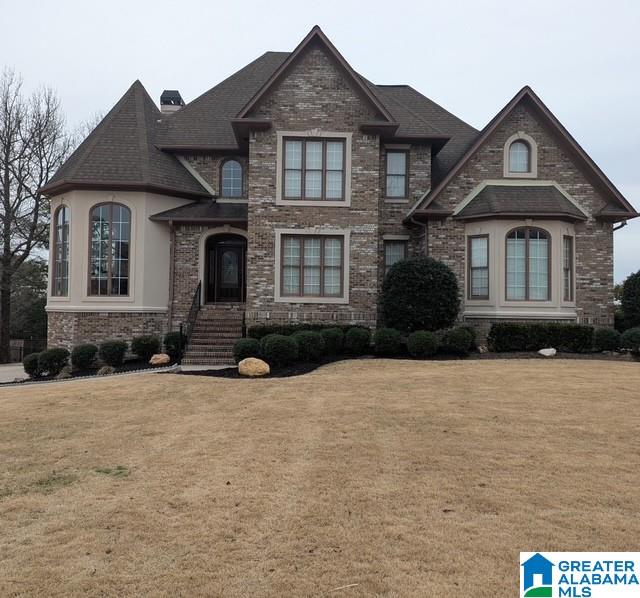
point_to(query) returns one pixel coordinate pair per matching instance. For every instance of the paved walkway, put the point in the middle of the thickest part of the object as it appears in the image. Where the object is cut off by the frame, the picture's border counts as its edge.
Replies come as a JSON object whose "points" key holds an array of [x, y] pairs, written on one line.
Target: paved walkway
{"points": [[10, 371]]}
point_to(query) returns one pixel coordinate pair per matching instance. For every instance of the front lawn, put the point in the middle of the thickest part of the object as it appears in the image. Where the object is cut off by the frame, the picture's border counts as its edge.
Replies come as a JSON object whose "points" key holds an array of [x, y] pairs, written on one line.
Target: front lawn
{"points": [[368, 477]]}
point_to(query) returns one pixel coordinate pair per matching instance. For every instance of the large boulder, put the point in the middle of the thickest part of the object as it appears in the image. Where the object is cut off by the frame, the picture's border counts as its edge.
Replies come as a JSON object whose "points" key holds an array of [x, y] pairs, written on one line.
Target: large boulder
{"points": [[160, 359], [548, 352], [252, 366]]}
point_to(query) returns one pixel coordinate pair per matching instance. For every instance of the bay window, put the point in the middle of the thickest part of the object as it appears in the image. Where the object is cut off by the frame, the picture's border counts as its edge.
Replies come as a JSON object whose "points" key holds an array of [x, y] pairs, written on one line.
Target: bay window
{"points": [[567, 268], [109, 250], [478, 267], [60, 286], [528, 258]]}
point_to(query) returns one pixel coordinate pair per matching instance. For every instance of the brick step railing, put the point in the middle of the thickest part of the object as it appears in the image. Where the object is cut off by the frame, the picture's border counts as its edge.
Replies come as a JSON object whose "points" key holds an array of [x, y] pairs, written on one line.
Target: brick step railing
{"points": [[216, 329]]}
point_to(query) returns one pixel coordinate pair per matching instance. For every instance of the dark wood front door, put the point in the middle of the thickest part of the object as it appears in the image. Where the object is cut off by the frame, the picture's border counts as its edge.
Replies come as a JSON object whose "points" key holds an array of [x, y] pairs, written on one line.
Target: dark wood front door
{"points": [[225, 269]]}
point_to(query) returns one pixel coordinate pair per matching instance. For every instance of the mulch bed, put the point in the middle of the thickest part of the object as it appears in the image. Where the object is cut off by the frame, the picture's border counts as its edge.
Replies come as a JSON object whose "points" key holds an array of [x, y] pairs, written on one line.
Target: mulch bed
{"points": [[299, 369]]}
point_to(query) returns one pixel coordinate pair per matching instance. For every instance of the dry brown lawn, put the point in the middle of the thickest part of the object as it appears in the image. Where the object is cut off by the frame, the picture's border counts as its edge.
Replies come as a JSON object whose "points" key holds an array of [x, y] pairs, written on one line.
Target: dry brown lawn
{"points": [[405, 478]]}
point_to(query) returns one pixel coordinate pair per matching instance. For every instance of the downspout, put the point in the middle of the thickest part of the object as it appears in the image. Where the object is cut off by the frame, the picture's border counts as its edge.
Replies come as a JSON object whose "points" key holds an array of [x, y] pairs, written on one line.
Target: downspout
{"points": [[621, 225], [172, 272]]}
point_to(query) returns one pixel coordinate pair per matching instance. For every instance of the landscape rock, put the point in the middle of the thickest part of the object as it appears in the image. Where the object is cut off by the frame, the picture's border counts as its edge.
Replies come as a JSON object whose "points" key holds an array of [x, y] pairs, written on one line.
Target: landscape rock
{"points": [[106, 370], [160, 359], [64, 375], [547, 352], [252, 366], [482, 349]]}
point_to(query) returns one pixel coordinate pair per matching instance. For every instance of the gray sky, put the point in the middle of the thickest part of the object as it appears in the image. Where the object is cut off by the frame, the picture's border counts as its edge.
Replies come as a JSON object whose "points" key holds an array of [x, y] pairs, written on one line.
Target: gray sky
{"points": [[581, 57]]}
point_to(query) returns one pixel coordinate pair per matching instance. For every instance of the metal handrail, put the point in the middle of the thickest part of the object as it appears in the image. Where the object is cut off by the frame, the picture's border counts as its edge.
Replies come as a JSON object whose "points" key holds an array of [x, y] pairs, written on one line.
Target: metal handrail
{"points": [[191, 318]]}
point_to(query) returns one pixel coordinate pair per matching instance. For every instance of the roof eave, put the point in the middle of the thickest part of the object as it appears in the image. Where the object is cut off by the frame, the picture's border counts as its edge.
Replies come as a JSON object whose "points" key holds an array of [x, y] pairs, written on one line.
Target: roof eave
{"points": [[64, 186], [520, 215]]}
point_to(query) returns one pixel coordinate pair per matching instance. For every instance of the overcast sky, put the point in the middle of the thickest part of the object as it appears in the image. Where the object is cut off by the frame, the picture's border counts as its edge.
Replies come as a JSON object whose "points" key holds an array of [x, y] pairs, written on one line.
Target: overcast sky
{"points": [[581, 57]]}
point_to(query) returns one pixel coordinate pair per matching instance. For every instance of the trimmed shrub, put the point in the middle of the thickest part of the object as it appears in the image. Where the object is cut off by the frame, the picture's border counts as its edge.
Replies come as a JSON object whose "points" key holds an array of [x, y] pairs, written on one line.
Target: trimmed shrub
{"points": [[311, 345], [333, 340], [174, 345], [422, 343], [419, 294], [145, 346], [473, 333], [606, 339], [113, 352], [456, 341], [259, 331], [279, 350], [631, 340], [52, 361], [630, 301], [245, 347], [387, 341], [508, 336], [513, 336], [83, 356], [357, 341], [31, 365]]}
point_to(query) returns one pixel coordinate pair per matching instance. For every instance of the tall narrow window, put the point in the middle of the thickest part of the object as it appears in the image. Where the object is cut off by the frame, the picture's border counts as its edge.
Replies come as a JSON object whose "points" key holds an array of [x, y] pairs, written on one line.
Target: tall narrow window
{"points": [[312, 266], [528, 265], [109, 251], [478, 260], [314, 169], [231, 175], [397, 174], [567, 268], [394, 251], [60, 287], [519, 157]]}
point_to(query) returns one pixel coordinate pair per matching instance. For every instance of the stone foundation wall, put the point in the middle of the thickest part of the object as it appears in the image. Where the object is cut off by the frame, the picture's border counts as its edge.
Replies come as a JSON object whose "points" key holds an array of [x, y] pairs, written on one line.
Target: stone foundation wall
{"points": [[67, 329]]}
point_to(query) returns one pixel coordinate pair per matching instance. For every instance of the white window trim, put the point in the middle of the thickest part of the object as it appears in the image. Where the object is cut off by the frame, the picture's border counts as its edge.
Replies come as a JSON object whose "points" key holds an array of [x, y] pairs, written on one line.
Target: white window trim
{"points": [[344, 203], [533, 157], [342, 232]]}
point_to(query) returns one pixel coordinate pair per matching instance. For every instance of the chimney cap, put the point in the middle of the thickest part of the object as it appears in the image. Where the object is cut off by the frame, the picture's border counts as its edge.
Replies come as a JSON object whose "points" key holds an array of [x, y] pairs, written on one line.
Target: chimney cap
{"points": [[171, 97]]}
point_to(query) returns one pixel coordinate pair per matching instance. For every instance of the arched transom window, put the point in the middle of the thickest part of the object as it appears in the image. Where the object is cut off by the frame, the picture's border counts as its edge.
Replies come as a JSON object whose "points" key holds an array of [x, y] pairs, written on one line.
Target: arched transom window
{"points": [[109, 250], [231, 174], [60, 286], [528, 265], [519, 157]]}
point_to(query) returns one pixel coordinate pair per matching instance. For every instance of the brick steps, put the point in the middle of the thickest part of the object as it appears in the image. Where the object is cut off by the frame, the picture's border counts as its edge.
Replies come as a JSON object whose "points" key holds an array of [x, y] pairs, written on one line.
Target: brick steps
{"points": [[216, 330]]}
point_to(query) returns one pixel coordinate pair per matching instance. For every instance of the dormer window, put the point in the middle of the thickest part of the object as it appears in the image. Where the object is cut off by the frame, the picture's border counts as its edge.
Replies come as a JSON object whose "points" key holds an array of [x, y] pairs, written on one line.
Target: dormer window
{"points": [[520, 156]]}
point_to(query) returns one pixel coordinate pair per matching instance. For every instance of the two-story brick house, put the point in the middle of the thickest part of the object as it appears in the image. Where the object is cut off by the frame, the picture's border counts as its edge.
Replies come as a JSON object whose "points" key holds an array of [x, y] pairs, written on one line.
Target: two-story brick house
{"points": [[284, 193]]}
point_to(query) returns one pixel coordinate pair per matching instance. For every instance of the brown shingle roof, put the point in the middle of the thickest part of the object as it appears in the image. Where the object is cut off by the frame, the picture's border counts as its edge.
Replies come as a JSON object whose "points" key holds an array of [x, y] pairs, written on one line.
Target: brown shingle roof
{"points": [[520, 200], [120, 153], [204, 211]]}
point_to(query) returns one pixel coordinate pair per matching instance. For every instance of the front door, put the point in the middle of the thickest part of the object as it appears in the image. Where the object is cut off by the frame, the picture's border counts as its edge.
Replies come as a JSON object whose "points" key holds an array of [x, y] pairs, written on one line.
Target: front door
{"points": [[226, 267]]}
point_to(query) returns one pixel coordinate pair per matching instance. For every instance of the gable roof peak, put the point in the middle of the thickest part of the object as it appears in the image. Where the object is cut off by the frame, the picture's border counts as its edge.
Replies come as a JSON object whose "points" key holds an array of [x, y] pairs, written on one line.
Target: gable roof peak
{"points": [[356, 80]]}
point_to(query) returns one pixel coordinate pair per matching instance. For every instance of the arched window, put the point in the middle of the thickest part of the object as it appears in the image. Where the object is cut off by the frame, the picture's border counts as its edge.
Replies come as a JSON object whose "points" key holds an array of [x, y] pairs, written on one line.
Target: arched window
{"points": [[60, 287], [109, 251], [528, 265], [231, 175], [519, 157]]}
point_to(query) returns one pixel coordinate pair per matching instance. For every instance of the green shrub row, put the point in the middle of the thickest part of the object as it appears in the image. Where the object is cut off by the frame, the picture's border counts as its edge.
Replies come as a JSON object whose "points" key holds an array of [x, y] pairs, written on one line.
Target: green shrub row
{"points": [[572, 338], [280, 350], [259, 331], [112, 352]]}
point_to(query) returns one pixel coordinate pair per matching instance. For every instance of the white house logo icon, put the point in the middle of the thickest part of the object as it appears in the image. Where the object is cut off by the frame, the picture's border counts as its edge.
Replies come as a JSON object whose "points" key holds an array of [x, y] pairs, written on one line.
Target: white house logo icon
{"points": [[537, 577]]}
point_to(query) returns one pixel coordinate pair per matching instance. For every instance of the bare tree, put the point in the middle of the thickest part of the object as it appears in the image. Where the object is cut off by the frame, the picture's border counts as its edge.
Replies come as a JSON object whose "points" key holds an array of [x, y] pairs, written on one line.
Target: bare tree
{"points": [[33, 144]]}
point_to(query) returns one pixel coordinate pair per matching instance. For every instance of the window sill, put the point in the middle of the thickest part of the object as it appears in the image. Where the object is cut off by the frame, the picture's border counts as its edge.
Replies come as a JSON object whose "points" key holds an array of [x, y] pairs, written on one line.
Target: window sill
{"points": [[325, 203], [520, 175], [311, 300], [396, 200]]}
